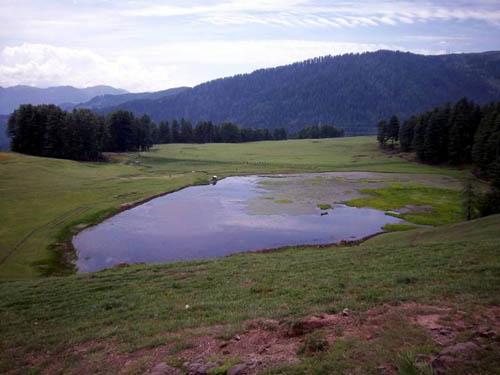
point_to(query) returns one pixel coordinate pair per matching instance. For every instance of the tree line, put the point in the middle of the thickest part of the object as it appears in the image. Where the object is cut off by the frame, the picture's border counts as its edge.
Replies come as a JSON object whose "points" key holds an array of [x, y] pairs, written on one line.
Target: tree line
{"points": [[458, 134], [183, 131], [320, 131], [47, 130]]}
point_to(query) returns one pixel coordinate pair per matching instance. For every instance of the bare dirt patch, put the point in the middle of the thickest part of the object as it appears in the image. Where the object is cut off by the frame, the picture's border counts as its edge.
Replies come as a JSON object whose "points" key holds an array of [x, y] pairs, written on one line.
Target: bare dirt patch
{"points": [[460, 338]]}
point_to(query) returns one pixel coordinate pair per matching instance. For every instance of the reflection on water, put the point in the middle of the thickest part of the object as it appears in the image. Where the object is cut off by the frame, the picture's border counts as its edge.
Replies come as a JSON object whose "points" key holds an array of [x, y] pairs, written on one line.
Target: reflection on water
{"points": [[215, 220]]}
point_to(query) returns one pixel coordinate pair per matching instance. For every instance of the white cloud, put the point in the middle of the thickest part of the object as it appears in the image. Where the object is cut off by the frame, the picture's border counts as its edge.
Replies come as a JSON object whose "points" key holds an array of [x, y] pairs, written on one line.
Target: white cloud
{"points": [[46, 65], [308, 13]]}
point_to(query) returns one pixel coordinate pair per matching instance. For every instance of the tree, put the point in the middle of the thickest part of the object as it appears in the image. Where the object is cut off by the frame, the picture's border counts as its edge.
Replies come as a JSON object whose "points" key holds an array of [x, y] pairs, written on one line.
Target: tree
{"points": [[121, 131], [164, 132], [280, 134], [54, 141], [435, 138], [469, 199], [393, 130], [175, 135], [419, 137], [230, 133], [406, 133], [382, 133], [463, 125], [144, 140], [186, 132]]}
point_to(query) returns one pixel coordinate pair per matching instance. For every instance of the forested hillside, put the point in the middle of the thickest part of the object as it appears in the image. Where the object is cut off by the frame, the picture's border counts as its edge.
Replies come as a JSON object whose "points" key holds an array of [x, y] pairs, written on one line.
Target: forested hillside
{"points": [[352, 91], [4, 140], [12, 97], [103, 101]]}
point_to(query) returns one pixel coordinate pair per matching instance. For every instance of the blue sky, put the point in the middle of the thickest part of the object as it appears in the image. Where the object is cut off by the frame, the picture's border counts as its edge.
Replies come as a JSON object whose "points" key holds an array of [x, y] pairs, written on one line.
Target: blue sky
{"points": [[152, 45]]}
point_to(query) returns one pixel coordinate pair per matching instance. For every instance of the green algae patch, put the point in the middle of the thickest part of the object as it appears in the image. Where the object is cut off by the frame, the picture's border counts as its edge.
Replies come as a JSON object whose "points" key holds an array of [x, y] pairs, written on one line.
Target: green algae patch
{"points": [[283, 201], [324, 206]]}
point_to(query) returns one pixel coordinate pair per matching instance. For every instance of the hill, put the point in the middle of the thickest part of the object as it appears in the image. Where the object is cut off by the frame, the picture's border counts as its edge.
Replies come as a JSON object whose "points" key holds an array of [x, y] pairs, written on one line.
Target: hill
{"points": [[103, 101], [12, 97], [353, 91]]}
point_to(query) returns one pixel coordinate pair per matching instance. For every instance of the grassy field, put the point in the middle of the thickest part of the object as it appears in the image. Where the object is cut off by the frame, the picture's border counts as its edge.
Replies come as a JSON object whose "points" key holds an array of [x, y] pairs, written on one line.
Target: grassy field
{"points": [[126, 320], [43, 198]]}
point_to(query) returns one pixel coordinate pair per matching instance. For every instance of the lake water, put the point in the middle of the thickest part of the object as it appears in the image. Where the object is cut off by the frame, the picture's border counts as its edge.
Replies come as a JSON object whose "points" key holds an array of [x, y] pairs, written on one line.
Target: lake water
{"points": [[237, 214]]}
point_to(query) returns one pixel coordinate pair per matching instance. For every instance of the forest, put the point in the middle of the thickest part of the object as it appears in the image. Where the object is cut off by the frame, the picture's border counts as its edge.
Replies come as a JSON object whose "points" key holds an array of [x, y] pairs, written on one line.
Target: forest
{"points": [[459, 134], [47, 130]]}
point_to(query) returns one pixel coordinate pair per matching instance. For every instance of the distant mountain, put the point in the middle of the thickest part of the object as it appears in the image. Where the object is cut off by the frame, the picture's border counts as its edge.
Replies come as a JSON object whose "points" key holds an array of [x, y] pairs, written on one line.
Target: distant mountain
{"points": [[4, 140], [353, 91], [103, 101], [12, 97]]}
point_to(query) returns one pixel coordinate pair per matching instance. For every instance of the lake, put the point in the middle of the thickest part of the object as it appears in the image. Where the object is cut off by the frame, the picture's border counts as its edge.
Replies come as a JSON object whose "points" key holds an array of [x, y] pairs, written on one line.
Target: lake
{"points": [[237, 214]]}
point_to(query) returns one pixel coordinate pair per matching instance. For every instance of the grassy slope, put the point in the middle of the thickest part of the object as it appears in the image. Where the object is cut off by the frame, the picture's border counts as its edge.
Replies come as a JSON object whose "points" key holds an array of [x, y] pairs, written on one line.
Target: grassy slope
{"points": [[135, 307], [40, 197]]}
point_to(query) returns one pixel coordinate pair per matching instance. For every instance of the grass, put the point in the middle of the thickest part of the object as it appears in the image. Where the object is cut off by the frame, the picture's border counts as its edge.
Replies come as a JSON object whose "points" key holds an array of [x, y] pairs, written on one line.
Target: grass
{"points": [[398, 227], [142, 306], [432, 205], [136, 307], [44, 199], [324, 206]]}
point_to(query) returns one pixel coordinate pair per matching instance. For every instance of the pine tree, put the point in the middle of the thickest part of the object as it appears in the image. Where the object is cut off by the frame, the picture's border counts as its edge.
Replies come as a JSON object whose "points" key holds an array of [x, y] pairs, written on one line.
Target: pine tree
{"points": [[186, 132], [393, 130], [406, 133], [175, 135], [122, 134], [382, 133], [419, 138], [435, 139], [164, 132]]}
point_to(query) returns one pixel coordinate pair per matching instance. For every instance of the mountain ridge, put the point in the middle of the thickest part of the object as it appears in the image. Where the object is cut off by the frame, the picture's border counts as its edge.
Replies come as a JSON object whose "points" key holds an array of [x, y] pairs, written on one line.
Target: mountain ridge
{"points": [[102, 101], [353, 91], [13, 96]]}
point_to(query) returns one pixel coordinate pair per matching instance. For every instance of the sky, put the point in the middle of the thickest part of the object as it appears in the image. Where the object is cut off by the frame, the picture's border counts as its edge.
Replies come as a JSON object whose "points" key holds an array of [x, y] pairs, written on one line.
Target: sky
{"points": [[152, 45]]}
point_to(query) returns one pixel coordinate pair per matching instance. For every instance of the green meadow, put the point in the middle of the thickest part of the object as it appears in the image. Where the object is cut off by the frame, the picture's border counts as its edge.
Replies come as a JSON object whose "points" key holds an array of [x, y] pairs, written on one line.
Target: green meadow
{"points": [[138, 311], [42, 199]]}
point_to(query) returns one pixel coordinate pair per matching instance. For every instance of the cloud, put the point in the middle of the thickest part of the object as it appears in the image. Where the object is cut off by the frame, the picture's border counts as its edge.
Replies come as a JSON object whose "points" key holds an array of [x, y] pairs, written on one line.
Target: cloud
{"points": [[314, 14], [46, 65]]}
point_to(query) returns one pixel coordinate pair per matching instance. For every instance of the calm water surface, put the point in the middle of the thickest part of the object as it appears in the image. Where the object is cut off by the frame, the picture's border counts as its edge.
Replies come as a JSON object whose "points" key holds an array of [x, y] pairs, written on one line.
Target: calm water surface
{"points": [[203, 222]]}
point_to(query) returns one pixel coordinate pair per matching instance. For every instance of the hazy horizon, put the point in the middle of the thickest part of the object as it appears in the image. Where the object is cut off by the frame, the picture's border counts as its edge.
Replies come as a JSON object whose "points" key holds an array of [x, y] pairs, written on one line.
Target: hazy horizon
{"points": [[155, 45]]}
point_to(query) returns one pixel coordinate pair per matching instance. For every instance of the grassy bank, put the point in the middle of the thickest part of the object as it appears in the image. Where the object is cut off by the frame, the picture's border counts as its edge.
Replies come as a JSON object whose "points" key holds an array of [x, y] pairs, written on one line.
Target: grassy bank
{"points": [[43, 198], [140, 307]]}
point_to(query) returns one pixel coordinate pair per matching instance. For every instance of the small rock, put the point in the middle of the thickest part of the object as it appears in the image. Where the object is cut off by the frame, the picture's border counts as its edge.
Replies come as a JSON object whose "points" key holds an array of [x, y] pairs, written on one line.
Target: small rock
{"points": [[163, 369], [196, 368], [488, 333], [237, 337], [441, 363], [346, 312], [237, 370], [463, 348], [223, 344], [262, 350]]}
